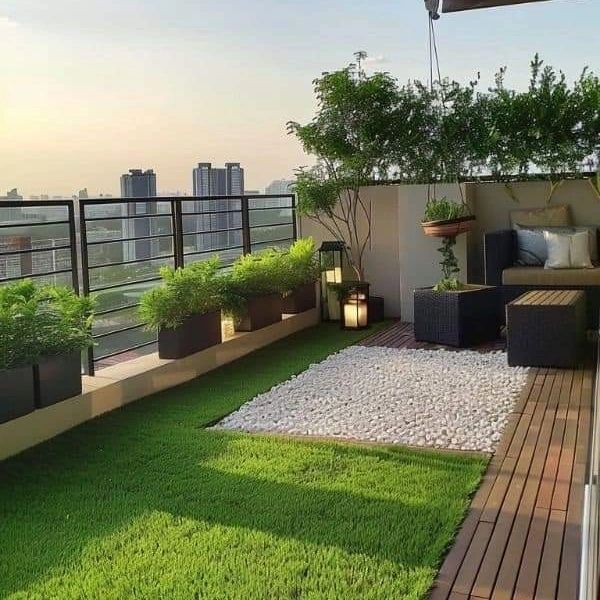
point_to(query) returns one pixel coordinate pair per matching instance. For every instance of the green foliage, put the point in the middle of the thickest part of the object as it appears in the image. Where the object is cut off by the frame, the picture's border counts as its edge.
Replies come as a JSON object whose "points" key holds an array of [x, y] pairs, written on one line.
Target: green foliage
{"points": [[195, 289], [442, 209], [450, 269], [149, 502], [303, 262], [41, 320]]}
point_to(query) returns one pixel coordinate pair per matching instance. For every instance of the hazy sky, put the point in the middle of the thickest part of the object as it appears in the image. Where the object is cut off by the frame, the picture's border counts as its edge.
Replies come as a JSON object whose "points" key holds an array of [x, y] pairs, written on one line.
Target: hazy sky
{"points": [[92, 88]]}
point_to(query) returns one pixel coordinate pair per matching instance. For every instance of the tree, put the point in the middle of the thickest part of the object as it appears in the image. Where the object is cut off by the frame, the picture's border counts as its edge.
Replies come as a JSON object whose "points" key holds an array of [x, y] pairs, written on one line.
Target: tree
{"points": [[352, 137]]}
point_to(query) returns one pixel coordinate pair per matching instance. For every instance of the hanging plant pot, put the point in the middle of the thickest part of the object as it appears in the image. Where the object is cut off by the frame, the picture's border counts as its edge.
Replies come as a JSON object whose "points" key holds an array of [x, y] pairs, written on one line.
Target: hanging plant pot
{"points": [[448, 228]]}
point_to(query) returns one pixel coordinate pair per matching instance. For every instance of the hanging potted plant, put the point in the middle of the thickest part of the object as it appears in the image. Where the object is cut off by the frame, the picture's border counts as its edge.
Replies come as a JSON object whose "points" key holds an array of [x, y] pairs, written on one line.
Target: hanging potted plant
{"points": [[446, 219], [64, 330], [452, 312], [303, 272], [18, 349], [186, 309], [255, 286]]}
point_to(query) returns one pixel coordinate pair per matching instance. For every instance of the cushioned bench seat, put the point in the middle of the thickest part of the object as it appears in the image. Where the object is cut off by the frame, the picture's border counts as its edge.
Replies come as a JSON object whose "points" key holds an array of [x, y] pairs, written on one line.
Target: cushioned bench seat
{"points": [[538, 276]]}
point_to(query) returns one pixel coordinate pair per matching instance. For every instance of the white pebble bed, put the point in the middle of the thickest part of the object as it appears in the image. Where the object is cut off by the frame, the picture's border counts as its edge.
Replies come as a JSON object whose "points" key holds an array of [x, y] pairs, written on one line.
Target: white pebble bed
{"points": [[434, 398]]}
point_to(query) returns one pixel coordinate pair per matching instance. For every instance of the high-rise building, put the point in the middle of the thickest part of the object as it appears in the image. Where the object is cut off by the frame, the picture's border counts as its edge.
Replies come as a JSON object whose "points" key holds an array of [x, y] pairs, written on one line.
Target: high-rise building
{"points": [[279, 186], [218, 181], [225, 218], [139, 184]]}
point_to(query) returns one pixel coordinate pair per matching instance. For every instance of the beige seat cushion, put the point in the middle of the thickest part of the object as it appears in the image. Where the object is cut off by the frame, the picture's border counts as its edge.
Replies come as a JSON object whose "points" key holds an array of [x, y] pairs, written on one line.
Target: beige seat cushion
{"points": [[551, 277]]}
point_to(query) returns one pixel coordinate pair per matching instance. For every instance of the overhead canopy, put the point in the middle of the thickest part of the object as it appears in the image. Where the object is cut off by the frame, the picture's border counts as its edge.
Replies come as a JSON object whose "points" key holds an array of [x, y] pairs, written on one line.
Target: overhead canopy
{"points": [[456, 5]]}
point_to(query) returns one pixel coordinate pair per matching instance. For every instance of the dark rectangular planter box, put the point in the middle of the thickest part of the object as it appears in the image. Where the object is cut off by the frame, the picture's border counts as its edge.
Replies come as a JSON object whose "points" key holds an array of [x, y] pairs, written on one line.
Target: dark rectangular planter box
{"points": [[57, 378], [302, 298], [464, 318], [196, 333], [260, 312], [17, 396], [376, 309]]}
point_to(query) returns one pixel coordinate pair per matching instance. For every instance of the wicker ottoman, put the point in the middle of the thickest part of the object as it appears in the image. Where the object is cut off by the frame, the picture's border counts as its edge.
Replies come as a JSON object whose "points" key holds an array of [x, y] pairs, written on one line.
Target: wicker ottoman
{"points": [[546, 328]]}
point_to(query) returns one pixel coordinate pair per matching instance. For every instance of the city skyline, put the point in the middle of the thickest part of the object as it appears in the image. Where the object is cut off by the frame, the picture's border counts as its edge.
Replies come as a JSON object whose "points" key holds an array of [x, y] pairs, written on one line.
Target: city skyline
{"points": [[99, 86]]}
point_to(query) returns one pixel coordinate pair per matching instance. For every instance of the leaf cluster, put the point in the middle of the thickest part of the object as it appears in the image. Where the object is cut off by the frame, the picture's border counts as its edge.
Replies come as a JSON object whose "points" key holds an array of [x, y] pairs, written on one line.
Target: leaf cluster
{"points": [[37, 321], [442, 209]]}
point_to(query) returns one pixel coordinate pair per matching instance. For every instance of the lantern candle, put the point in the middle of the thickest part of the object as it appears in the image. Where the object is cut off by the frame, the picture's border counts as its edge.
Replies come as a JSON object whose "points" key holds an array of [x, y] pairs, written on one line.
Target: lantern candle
{"points": [[355, 312], [333, 275]]}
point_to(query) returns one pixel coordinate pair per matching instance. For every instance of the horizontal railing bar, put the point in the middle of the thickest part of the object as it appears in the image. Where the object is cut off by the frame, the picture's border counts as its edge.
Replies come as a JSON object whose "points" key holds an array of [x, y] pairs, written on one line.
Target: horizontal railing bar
{"points": [[30, 275], [229, 211], [293, 208], [31, 223], [18, 203], [132, 262], [213, 250], [285, 239], [288, 224], [96, 201], [213, 231], [136, 347], [115, 331], [113, 286], [33, 250], [129, 217], [108, 311], [132, 239]]}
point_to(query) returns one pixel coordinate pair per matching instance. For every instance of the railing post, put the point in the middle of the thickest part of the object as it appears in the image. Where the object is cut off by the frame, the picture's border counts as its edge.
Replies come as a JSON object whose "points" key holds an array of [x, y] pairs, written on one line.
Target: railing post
{"points": [[294, 222], [177, 227], [85, 275], [246, 241], [73, 247]]}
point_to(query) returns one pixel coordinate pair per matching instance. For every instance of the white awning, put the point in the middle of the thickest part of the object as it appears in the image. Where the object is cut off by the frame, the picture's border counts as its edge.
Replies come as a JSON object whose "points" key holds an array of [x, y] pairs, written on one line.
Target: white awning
{"points": [[456, 5]]}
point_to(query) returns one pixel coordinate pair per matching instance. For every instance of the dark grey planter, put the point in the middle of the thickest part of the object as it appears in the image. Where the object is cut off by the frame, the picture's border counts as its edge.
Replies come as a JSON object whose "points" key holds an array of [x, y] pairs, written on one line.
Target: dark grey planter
{"points": [[17, 397], [196, 333], [57, 378], [300, 299], [376, 309], [261, 311], [465, 318]]}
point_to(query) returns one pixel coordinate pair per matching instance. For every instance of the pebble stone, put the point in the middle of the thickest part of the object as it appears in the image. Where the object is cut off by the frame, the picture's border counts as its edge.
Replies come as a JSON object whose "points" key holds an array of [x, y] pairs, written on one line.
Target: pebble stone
{"points": [[433, 398]]}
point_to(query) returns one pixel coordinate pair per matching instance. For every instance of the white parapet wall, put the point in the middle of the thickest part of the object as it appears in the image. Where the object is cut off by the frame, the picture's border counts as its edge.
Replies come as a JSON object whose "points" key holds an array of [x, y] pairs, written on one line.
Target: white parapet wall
{"points": [[126, 382]]}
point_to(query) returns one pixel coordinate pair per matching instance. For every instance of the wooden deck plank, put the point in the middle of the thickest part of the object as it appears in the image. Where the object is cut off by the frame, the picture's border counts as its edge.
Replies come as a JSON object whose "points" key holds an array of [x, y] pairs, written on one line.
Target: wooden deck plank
{"points": [[522, 534]]}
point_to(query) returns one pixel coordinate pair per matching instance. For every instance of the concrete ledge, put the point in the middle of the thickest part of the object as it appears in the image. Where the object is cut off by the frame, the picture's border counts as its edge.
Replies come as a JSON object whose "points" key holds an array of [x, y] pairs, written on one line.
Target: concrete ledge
{"points": [[126, 382]]}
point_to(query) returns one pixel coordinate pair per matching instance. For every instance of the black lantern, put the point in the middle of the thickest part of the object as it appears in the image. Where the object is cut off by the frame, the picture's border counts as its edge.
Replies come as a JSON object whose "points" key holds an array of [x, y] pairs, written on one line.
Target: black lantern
{"points": [[331, 259], [354, 305]]}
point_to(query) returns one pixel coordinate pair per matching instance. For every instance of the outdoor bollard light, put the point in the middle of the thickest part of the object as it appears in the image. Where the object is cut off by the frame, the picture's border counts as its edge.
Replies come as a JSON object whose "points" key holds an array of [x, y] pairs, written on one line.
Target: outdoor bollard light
{"points": [[355, 305], [331, 260]]}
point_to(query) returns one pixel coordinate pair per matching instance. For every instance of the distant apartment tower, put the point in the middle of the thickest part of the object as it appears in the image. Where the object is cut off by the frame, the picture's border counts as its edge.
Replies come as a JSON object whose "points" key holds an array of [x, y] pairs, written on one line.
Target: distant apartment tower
{"points": [[139, 184], [218, 181], [279, 186]]}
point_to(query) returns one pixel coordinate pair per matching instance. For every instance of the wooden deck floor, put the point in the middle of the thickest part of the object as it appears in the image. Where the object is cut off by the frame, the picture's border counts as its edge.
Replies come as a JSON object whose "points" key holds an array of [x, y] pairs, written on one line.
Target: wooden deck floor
{"points": [[521, 538]]}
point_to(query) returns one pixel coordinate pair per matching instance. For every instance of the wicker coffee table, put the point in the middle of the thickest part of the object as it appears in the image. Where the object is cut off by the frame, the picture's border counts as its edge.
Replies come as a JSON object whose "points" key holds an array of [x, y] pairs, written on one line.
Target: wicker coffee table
{"points": [[546, 328]]}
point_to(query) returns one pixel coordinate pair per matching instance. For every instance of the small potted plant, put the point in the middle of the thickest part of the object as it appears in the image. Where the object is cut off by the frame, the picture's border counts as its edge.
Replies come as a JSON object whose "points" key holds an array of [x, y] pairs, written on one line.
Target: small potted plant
{"points": [[451, 312], [255, 286], [304, 271], [444, 218], [64, 330], [18, 349], [186, 309]]}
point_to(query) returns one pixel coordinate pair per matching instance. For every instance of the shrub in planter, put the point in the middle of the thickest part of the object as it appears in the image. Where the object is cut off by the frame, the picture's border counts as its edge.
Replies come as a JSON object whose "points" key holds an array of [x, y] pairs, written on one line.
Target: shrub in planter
{"points": [[303, 266], [18, 349], [186, 308], [64, 329], [255, 286]]}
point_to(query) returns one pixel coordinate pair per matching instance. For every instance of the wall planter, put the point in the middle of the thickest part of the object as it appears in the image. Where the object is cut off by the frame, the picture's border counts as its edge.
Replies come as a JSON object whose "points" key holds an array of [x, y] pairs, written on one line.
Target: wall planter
{"points": [[300, 299], [376, 309], [196, 333], [448, 228], [260, 312], [457, 318], [16, 393], [57, 378]]}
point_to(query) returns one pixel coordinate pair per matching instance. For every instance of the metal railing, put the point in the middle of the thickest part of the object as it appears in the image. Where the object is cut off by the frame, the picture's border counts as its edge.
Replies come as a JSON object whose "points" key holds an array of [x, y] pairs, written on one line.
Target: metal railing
{"points": [[125, 242], [38, 241]]}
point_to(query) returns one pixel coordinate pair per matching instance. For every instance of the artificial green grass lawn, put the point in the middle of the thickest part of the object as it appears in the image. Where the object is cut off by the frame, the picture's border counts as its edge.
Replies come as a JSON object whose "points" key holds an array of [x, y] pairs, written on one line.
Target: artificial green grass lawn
{"points": [[146, 502]]}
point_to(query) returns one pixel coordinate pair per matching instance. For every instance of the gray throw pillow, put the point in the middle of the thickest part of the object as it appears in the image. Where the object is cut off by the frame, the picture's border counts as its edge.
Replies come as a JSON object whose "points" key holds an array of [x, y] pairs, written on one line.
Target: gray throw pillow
{"points": [[531, 247]]}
